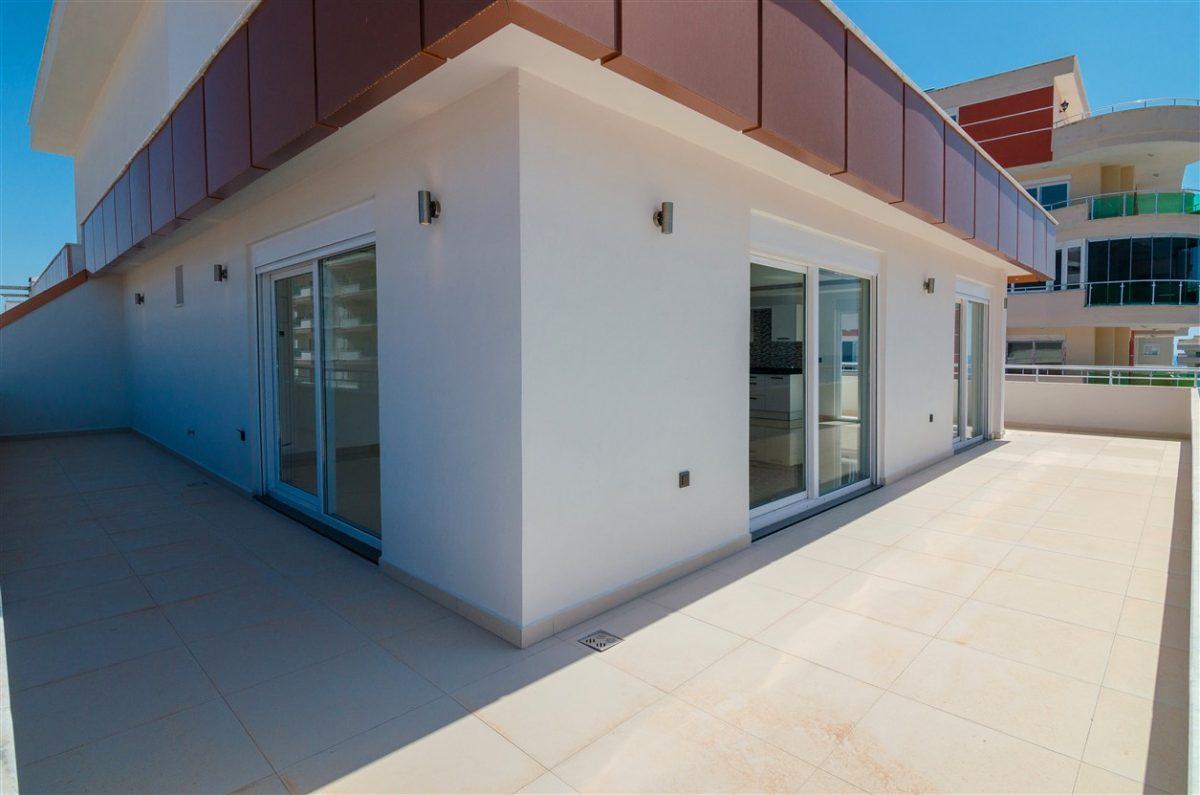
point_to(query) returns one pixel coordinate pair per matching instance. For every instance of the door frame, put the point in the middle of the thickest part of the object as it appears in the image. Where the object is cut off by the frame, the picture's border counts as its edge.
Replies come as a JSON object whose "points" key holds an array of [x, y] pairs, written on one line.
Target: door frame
{"points": [[961, 440]]}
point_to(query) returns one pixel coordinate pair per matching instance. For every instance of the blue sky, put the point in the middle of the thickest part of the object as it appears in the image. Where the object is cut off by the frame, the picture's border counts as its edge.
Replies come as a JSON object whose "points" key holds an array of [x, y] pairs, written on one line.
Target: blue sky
{"points": [[1128, 50]]}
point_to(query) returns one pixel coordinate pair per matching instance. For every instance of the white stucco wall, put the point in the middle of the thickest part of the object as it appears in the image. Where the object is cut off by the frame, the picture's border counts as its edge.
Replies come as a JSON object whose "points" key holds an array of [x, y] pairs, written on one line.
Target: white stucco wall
{"points": [[63, 366], [1099, 408]]}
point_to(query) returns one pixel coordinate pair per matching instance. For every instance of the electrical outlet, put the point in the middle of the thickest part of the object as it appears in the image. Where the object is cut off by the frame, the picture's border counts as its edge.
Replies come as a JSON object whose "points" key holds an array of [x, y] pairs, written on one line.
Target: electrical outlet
{"points": [[242, 434], [685, 479], [191, 431], [931, 418]]}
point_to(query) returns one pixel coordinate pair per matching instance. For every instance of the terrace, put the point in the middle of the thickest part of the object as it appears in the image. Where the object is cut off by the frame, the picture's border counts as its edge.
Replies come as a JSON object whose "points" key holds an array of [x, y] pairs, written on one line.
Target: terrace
{"points": [[1012, 619]]}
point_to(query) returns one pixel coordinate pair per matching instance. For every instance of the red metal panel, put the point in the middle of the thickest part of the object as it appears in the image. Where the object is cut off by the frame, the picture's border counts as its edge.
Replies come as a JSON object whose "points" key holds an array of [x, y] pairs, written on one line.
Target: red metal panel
{"points": [[108, 203], [1007, 229], [227, 119], [451, 27], [1025, 225], [1015, 129], [1022, 150], [367, 51], [139, 196], [924, 159], [190, 160], [1034, 99], [960, 184], [162, 183], [874, 124], [283, 86], [124, 219], [987, 204], [703, 55], [588, 27], [803, 104]]}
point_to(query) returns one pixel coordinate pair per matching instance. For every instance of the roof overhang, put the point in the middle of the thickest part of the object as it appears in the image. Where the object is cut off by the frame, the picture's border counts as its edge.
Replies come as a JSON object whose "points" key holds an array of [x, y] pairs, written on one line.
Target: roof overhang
{"points": [[83, 40], [1062, 73]]}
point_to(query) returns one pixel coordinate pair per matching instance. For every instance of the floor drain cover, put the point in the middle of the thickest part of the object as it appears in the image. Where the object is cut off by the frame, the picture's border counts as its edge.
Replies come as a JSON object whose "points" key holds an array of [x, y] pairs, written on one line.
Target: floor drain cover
{"points": [[600, 640]]}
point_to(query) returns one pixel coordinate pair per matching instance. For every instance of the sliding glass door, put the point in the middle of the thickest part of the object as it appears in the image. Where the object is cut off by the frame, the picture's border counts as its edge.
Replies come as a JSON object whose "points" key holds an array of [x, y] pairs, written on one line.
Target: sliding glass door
{"points": [[970, 369], [322, 397], [810, 387]]}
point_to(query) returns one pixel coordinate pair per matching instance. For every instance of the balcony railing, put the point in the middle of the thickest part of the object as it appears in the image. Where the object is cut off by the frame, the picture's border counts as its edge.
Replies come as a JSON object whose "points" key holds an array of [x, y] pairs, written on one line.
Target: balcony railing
{"points": [[1144, 292], [1154, 102], [1121, 205], [1144, 375]]}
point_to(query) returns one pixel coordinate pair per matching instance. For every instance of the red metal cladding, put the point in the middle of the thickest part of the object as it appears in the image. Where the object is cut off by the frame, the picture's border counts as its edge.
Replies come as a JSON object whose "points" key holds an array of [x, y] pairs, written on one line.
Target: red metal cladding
{"points": [[874, 124], [924, 159], [1022, 150], [1014, 129], [108, 203], [803, 101], [1034, 99], [960, 184], [188, 155], [124, 218], [1026, 210], [1007, 229], [283, 86], [451, 27], [367, 51], [987, 204], [139, 197], [588, 27], [227, 119], [162, 183], [702, 55]]}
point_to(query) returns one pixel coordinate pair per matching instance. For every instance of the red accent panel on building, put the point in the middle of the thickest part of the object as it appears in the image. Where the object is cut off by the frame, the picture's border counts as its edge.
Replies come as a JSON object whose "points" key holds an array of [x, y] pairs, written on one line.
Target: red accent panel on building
{"points": [[1018, 123], [227, 119], [1007, 229], [1021, 150], [366, 52], [124, 219], [283, 85], [162, 183], [109, 205], [188, 153], [960, 184], [588, 27], [803, 99], [451, 27], [1025, 227], [671, 46], [874, 124], [139, 196], [924, 159], [987, 204]]}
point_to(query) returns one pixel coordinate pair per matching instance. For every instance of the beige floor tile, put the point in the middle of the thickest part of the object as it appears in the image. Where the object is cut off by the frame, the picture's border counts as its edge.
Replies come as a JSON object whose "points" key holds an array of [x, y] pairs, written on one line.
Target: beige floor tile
{"points": [[1068, 649], [1154, 623], [247, 656], [203, 577], [72, 608], [965, 549], [1003, 512], [822, 783], [34, 583], [928, 571], [1158, 586], [891, 601], [876, 531], [902, 514], [161, 535], [977, 526], [794, 574], [424, 750], [673, 747], [237, 607], [15, 535], [841, 550], [1071, 603], [1102, 503], [220, 757], [296, 715], [734, 605], [1114, 527], [1159, 673], [454, 652], [1084, 546], [555, 703], [61, 715], [269, 785], [389, 611], [1015, 497], [1093, 780], [791, 703], [847, 642], [927, 498], [547, 784], [1049, 709], [1168, 512], [14, 560], [904, 746], [1180, 536], [1171, 559], [1100, 575], [1140, 740]]}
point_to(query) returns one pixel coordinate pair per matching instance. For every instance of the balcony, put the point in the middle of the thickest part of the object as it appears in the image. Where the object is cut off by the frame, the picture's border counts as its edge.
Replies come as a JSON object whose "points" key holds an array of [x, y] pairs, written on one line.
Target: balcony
{"points": [[1127, 204], [1144, 292]]}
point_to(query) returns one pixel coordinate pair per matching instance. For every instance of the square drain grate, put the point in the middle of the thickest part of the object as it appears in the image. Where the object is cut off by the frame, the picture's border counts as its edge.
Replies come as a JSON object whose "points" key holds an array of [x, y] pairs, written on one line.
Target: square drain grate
{"points": [[600, 640]]}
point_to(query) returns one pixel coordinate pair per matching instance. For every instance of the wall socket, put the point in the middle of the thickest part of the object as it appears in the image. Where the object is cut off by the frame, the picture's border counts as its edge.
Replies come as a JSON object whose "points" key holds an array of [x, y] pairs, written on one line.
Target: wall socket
{"points": [[685, 479], [931, 418]]}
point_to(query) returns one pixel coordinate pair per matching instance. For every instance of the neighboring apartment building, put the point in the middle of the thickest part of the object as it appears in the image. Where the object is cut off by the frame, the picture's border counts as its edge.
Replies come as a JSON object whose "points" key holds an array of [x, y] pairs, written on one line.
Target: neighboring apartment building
{"points": [[1189, 352], [524, 392], [1126, 272]]}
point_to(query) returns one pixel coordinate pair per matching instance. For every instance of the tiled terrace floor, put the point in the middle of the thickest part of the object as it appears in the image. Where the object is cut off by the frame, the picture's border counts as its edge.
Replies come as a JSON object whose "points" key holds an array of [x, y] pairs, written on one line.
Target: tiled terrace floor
{"points": [[1013, 619]]}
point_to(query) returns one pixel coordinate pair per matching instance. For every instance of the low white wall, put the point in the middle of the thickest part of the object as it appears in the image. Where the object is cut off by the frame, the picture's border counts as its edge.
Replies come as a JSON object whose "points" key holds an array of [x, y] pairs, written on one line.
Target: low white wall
{"points": [[1141, 410], [63, 367]]}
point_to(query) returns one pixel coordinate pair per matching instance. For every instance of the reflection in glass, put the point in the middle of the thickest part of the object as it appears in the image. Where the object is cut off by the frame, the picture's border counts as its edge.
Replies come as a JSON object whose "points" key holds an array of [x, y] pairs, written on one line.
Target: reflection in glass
{"points": [[776, 384], [294, 387], [976, 364], [351, 388], [843, 393], [957, 359]]}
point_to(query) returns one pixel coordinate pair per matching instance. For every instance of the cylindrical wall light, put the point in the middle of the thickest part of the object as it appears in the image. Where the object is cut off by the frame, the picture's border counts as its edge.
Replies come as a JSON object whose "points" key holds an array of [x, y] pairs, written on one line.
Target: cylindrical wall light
{"points": [[664, 218], [428, 208]]}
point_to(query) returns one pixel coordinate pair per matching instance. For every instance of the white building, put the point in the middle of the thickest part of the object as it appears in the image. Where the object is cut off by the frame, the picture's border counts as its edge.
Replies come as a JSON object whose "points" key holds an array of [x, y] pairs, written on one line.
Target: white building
{"points": [[535, 405]]}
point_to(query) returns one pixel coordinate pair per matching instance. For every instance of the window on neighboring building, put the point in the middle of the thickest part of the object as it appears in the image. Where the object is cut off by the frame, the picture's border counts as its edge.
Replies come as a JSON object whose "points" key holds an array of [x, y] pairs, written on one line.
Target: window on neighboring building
{"points": [[1035, 352], [1051, 194]]}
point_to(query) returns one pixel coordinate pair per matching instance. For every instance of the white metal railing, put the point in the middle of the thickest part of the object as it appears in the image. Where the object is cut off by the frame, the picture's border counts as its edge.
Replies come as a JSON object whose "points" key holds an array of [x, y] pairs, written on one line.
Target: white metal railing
{"points": [[1153, 102], [52, 274], [1140, 375]]}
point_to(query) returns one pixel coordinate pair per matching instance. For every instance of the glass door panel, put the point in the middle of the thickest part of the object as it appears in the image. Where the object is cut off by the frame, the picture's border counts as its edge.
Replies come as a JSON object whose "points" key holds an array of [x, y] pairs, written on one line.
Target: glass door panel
{"points": [[957, 357], [351, 388], [295, 390], [777, 394], [843, 388], [976, 366]]}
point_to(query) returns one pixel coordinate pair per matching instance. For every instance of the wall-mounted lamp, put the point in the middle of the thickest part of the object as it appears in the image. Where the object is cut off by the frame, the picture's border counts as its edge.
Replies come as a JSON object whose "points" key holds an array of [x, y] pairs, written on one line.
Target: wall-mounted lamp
{"points": [[1062, 106], [139, 298], [664, 218], [930, 283], [220, 272], [428, 208]]}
